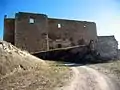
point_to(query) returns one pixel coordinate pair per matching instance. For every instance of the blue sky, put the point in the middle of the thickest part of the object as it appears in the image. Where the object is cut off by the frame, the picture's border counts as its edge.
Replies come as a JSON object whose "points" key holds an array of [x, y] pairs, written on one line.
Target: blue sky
{"points": [[106, 13]]}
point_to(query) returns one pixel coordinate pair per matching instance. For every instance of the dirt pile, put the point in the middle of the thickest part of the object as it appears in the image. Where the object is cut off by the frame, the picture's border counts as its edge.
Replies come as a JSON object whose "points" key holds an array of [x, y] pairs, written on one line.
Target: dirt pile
{"points": [[21, 71], [12, 58]]}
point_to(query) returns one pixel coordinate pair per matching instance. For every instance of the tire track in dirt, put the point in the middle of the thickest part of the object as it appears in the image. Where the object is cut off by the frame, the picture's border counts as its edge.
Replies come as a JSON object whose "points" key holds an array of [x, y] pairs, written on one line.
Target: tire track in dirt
{"points": [[86, 78]]}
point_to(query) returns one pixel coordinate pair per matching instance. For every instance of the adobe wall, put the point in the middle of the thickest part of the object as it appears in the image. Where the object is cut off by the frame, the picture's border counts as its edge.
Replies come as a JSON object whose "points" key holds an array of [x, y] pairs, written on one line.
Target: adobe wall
{"points": [[71, 32], [9, 29], [31, 36], [107, 46]]}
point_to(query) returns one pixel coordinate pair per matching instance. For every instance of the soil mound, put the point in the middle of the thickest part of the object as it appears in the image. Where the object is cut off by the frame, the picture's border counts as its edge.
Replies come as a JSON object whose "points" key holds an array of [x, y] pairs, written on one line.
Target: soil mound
{"points": [[12, 58]]}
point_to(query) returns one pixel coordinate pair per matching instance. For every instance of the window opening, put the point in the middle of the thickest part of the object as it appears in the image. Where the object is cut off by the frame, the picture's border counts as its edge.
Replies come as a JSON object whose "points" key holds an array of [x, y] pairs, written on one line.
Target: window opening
{"points": [[59, 25], [31, 20]]}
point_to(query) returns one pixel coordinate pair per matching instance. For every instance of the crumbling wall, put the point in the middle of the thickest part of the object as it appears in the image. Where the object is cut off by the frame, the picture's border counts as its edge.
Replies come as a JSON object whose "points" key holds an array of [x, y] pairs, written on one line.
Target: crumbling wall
{"points": [[118, 54], [9, 28], [65, 33], [71, 54], [77, 54], [107, 46], [36, 32], [31, 31]]}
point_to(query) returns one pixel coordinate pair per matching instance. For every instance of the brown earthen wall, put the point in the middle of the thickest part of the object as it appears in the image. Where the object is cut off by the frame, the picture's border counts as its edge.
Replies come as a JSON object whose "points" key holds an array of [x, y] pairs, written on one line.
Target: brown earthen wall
{"points": [[31, 36], [44, 32], [9, 29], [71, 33]]}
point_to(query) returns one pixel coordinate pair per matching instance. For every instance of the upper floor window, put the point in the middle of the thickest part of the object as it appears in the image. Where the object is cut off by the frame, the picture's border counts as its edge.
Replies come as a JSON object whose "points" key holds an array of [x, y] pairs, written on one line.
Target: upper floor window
{"points": [[84, 26], [59, 25], [31, 20]]}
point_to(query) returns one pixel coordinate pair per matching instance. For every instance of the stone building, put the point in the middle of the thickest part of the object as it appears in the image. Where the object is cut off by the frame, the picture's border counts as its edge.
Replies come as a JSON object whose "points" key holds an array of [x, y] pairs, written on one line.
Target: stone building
{"points": [[37, 32], [107, 46]]}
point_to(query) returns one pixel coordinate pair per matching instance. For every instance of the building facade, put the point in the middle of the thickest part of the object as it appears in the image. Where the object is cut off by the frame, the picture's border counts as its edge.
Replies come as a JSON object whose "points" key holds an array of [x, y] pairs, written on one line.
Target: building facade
{"points": [[37, 32], [107, 46]]}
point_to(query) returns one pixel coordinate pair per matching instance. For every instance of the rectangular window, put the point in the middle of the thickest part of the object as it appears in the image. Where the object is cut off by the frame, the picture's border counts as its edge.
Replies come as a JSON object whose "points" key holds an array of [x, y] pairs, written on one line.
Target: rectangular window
{"points": [[31, 20], [84, 26], [59, 25]]}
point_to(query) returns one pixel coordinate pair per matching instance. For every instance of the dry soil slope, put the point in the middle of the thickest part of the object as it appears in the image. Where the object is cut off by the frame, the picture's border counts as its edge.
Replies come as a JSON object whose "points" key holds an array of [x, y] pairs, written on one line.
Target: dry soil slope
{"points": [[21, 71]]}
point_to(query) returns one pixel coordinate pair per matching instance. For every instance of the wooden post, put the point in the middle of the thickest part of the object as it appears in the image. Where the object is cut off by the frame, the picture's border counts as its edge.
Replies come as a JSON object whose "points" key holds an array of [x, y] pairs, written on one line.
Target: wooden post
{"points": [[47, 42]]}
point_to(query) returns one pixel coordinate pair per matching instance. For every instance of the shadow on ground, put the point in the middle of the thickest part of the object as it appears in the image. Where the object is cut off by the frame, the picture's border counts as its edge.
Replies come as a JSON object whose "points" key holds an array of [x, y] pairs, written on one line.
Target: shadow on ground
{"points": [[81, 55]]}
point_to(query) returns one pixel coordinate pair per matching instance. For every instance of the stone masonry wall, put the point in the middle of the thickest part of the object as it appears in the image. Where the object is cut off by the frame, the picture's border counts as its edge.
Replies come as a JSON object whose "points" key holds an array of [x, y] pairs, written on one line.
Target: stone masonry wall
{"points": [[31, 35], [107, 46], [66, 33], [9, 28], [37, 32], [118, 54]]}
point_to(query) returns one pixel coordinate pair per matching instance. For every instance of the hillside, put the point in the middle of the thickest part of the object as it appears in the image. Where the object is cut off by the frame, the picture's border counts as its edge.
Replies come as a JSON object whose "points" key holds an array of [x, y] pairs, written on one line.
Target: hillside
{"points": [[19, 70]]}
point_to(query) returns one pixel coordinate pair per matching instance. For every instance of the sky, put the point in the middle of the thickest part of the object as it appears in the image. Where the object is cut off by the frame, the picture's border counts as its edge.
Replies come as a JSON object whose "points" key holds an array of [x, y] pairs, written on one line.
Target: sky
{"points": [[105, 13]]}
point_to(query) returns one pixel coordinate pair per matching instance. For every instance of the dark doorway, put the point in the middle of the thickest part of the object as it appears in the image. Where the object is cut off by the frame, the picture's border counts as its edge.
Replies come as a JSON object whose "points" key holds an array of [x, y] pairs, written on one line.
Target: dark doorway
{"points": [[59, 46]]}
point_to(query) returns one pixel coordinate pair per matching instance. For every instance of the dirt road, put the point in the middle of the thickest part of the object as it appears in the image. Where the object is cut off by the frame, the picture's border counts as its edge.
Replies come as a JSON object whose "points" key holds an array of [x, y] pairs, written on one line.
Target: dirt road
{"points": [[86, 78]]}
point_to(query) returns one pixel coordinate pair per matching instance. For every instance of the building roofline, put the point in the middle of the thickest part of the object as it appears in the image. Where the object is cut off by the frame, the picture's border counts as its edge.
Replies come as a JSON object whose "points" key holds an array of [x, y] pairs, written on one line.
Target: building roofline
{"points": [[55, 18], [9, 18], [110, 36], [31, 13], [34, 13], [70, 20], [107, 36]]}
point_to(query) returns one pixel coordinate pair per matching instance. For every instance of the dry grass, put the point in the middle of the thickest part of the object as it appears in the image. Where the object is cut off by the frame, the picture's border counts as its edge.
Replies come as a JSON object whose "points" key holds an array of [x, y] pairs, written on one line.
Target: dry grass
{"points": [[41, 78], [21, 71]]}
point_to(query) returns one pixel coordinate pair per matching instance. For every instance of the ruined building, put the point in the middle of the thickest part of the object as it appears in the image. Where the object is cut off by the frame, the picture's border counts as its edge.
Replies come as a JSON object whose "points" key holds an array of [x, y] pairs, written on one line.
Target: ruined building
{"points": [[37, 32]]}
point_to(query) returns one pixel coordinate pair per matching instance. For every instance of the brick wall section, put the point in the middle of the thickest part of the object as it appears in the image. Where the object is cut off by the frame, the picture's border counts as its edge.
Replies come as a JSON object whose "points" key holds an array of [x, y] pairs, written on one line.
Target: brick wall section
{"points": [[9, 29], [31, 36], [71, 32]]}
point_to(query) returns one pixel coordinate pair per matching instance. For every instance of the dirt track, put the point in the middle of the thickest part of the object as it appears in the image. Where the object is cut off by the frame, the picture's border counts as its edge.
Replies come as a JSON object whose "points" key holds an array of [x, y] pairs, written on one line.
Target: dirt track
{"points": [[86, 78]]}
